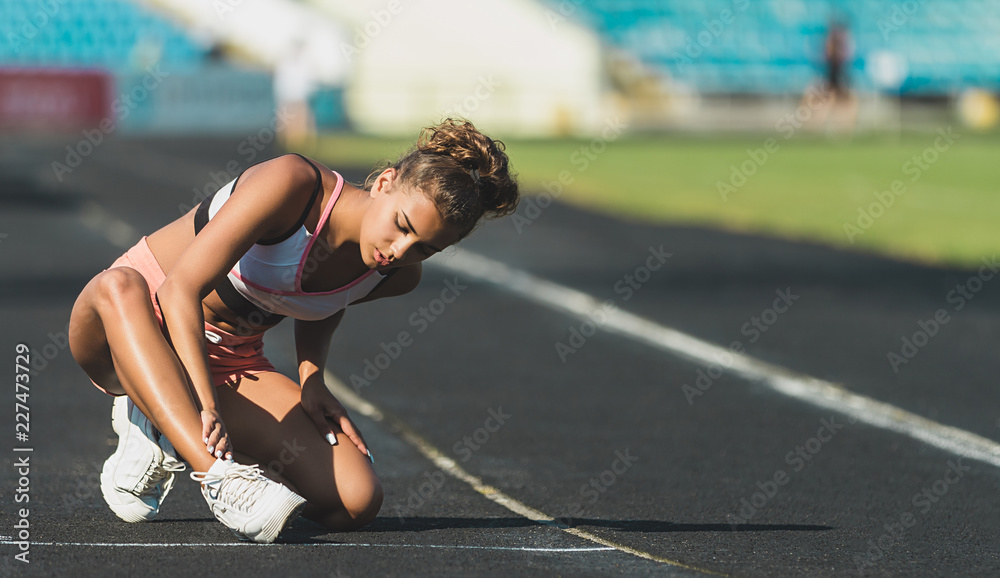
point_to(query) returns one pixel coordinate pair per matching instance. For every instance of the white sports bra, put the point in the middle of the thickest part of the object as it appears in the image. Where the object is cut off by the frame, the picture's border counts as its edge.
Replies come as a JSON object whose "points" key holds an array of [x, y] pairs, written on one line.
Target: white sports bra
{"points": [[269, 275]]}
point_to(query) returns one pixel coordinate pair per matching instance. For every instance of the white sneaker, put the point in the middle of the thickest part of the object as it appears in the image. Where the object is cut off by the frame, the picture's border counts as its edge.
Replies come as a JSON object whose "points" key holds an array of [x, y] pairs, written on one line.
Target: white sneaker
{"points": [[138, 476], [170, 461], [248, 503]]}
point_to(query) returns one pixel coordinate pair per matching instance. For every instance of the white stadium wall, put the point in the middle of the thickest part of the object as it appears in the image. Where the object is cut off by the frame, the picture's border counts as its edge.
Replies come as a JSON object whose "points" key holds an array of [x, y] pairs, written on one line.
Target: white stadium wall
{"points": [[511, 66], [507, 65], [265, 31]]}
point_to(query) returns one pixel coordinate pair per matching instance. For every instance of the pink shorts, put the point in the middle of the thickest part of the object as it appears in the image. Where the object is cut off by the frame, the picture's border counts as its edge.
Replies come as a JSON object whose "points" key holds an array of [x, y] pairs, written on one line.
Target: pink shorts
{"points": [[230, 357]]}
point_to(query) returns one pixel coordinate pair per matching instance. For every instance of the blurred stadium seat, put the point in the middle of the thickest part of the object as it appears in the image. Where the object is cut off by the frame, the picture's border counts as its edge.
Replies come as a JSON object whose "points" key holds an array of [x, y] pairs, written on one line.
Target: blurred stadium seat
{"points": [[167, 78], [711, 47], [115, 35], [775, 46]]}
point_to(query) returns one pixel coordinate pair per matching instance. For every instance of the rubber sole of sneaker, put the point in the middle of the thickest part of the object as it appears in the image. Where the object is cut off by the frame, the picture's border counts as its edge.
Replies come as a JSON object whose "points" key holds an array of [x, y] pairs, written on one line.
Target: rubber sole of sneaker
{"points": [[130, 512], [114, 416], [288, 511]]}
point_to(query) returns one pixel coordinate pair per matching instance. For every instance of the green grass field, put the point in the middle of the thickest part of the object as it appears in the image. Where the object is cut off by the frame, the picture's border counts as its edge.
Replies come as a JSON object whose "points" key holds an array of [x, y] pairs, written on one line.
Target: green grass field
{"points": [[807, 188]]}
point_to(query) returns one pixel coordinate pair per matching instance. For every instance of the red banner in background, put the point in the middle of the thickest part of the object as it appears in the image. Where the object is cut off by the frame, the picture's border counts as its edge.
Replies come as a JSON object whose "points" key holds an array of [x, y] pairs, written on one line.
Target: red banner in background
{"points": [[54, 99]]}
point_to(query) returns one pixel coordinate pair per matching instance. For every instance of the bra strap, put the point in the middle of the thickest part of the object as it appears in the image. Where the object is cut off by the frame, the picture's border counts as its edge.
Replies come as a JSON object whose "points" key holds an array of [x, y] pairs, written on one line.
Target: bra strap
{"points": [[302, 217]]}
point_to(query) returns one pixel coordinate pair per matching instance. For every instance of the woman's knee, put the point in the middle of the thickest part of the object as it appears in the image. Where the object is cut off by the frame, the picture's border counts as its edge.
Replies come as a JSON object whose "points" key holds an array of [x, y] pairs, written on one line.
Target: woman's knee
{"points": [[118, 287], [359, 505], [368, 507], [115, 291], [119, 292]]}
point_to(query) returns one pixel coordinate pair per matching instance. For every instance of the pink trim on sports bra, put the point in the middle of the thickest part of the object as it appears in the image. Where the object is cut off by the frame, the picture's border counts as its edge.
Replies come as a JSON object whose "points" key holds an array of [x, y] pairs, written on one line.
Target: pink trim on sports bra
{"points": [[324, 217], [303, 293]]}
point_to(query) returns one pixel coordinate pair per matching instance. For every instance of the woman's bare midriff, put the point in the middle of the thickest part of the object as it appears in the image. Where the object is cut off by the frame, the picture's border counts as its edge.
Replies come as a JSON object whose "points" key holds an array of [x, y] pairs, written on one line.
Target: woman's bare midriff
{"points": [[167, 244]]}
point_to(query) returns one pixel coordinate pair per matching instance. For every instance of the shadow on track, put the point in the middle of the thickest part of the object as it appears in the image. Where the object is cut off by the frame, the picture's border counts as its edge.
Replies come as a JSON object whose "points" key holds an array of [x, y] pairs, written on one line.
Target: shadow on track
{"points": [[304, 530], [18, 193], [662, 526]]}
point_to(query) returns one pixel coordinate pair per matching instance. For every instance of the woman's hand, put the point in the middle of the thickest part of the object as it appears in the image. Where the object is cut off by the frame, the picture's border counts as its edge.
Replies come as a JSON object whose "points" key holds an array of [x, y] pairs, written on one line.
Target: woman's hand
{"points": [[324, 409], [213, 432]]}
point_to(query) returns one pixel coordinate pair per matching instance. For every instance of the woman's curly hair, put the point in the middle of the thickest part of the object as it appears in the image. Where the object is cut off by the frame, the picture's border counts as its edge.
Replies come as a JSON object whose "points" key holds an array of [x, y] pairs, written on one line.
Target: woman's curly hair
{"points": [[466, 173]]}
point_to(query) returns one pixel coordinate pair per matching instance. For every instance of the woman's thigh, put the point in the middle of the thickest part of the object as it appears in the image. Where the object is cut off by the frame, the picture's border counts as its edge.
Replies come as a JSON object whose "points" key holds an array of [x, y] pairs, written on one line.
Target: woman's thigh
{"points": [[267, 424]]}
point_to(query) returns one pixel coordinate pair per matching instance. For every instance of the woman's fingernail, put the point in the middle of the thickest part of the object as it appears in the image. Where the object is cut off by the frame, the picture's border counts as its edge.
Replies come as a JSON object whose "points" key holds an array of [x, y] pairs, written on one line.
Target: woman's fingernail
{"points": [[206, 441], [211, 449], [331, 439], [370, 457], [218, 454]]}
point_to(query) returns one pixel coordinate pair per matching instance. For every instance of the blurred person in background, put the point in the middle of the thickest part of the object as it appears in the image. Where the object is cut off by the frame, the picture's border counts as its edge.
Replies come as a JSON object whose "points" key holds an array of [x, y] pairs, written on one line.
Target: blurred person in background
{"points": [[294, 85], [836, 107]]}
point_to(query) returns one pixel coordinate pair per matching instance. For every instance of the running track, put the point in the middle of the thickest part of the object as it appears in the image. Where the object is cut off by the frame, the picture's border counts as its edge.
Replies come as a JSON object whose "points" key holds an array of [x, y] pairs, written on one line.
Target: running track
{"points": [[534, 419]]}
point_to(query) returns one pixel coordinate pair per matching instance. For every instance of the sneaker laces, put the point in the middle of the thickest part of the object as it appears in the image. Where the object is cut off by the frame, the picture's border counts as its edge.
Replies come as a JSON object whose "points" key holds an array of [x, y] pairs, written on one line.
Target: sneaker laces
{"points": [[238, 488], [156, 473]]}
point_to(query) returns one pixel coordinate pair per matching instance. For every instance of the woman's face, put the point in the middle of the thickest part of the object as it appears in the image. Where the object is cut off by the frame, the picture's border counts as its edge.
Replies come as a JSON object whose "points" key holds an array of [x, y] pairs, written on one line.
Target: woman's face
{"points": [[402, 226]]}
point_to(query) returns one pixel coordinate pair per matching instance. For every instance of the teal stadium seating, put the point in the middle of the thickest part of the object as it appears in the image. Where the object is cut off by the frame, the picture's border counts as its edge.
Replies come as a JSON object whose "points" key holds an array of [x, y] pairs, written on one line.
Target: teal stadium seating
{"points": [[90, 34], [775, 46], [124, 38], [761, 47]]}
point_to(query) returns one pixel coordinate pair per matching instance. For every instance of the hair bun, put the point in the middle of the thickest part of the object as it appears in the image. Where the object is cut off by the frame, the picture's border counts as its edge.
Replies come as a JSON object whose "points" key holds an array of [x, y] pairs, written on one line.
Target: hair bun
{"points": [[465, 172], [474, 151]]}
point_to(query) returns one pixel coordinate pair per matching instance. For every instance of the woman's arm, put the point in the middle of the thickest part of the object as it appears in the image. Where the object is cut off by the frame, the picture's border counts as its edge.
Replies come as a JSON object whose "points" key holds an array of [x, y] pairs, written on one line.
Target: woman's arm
{"points": [[401, 282], [312, 343], [269, 200]]}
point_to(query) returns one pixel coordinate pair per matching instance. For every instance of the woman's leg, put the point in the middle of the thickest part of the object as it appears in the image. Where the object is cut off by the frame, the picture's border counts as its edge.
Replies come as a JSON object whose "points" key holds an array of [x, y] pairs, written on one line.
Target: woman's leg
{"points": [[268, 425], [115, 337]]}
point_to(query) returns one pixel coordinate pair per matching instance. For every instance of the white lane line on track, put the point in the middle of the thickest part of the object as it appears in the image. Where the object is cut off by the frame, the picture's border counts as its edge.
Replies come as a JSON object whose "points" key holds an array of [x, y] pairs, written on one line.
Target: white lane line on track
{"points": [[448, 466], [803, 387], [312, 545]]}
